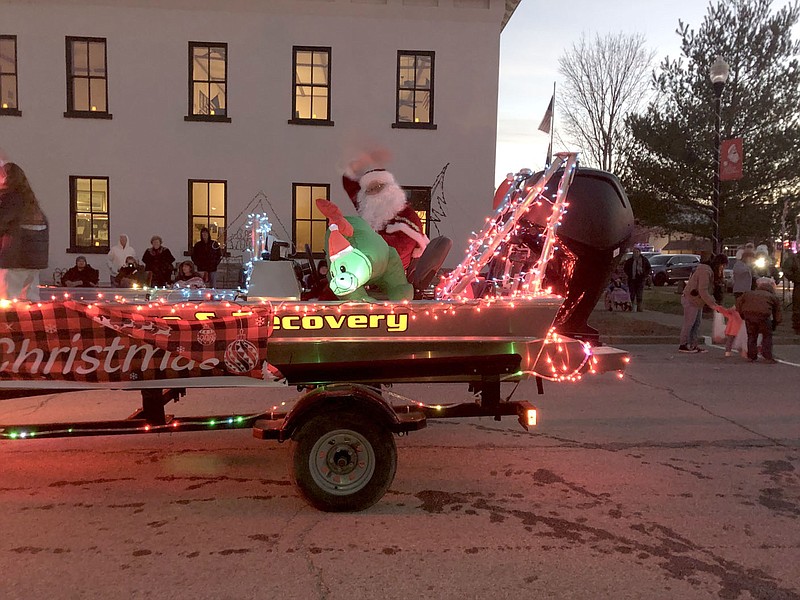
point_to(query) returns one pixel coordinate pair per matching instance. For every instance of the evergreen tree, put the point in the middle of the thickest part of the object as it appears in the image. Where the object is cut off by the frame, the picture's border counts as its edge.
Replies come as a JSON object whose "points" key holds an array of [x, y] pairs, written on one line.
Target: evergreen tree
{"points": [[669, 171]]}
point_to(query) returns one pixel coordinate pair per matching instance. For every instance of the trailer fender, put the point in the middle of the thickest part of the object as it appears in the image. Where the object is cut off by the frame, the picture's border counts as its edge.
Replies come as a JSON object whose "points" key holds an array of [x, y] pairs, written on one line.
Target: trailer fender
{"points": [[334, 398]]}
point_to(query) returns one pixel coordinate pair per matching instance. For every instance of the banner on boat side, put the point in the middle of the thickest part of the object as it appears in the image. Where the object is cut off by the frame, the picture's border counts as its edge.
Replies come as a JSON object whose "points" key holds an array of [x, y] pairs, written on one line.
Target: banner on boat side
{"points": [[71, 341]]}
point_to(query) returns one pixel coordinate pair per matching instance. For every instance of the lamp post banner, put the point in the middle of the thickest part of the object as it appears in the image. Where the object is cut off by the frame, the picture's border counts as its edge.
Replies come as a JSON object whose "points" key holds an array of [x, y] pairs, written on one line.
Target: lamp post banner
{"points": [[731, 159]]}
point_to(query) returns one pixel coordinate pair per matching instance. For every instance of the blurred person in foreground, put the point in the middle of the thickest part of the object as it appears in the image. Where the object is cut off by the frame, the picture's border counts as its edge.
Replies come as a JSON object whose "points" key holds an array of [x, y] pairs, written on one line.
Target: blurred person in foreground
{"points": [[24, 236], [761, 310]]}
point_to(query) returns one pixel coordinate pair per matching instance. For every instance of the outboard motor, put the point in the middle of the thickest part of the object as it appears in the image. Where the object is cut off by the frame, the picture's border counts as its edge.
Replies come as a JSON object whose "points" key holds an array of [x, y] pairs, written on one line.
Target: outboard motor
{"points": [[593, 234]]}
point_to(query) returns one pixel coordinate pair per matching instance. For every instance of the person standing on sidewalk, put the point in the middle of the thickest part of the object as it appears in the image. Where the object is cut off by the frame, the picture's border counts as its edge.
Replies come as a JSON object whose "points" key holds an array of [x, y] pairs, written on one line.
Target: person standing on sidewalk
{"points": [[699, 292], [743, 280], [761, 311], [637, 270], [733, 323], [791, 270]]}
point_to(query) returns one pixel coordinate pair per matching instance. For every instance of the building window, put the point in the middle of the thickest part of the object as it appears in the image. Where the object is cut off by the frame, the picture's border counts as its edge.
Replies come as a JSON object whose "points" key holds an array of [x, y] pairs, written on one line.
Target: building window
{"points": [[414, 90], [208, 82], [311, 96], [208, 207], [419, 198], [87, 78], [309, 224], [88, 209], [9, 103]]}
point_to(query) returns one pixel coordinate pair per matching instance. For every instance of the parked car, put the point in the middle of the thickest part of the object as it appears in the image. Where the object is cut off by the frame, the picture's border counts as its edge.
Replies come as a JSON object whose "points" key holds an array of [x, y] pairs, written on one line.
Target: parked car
{"points": [[647, 255], [727, 274], [671, 268]]}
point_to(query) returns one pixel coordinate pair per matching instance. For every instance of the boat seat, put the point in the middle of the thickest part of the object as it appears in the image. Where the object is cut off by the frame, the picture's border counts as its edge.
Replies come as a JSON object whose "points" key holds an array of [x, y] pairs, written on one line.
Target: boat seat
{"points": [[424, 269]]}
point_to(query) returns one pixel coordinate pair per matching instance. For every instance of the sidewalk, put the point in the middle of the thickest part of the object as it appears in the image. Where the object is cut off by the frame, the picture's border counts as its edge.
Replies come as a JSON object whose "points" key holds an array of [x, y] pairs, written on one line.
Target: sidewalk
{"points": [[653, 327]]}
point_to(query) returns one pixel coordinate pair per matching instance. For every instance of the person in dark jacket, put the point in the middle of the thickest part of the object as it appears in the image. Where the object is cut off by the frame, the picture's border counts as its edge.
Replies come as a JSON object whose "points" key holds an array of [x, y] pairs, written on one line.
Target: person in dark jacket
{"points": [[791, 270], [131, 274], [24, 236], [81, 275], [318, 288], [159, 261], [207, 254], [637, 270], [761, 310]]}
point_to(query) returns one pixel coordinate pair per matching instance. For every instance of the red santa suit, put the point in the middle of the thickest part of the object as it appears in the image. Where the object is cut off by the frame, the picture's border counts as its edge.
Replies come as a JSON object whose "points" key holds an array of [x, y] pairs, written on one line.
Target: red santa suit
{"points": [[382, 203]]}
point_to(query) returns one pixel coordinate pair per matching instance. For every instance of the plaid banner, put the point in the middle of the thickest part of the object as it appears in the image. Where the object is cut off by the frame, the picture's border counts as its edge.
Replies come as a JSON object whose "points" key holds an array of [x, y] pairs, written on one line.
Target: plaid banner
{"points": [[71, 341]]}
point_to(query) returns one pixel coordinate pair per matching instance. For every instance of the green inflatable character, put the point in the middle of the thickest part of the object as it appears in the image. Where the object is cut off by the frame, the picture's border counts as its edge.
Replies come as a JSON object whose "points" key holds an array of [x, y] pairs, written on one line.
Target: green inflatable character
{"points": [[358, 257]]}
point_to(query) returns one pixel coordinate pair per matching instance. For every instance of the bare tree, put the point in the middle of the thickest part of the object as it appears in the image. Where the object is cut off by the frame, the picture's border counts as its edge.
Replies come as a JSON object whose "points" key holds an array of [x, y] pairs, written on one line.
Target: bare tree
{"points": [[604, 80]]}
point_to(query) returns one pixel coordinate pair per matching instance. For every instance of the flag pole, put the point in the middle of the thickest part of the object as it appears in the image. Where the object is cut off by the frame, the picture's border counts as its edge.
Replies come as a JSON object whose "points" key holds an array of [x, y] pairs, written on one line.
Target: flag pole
{"points": [[553, 120], [547, 124]]}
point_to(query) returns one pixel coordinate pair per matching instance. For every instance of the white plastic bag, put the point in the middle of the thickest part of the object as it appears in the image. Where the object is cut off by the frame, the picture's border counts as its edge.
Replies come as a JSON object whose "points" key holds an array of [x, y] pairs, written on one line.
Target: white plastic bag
{"points": [[718, 328], [740, 341]]}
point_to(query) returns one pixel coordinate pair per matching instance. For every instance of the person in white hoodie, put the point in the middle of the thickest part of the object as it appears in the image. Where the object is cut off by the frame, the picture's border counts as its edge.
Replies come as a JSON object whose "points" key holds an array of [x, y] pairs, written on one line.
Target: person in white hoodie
{"points": [[118, 254]]}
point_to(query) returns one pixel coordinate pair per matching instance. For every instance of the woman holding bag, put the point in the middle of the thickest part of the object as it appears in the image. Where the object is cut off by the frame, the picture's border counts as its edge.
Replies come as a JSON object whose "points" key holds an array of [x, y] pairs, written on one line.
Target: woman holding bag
{"points": [[698, 293]]}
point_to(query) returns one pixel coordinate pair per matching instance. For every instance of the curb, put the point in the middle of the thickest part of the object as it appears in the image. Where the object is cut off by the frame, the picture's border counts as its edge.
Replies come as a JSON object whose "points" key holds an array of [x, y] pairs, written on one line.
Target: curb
{"points": [[620, 340], [633, 340]]}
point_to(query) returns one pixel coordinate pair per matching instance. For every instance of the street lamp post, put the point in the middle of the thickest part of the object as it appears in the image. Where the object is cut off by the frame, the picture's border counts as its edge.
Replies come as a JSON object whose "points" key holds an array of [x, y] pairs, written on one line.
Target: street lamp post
{"points": [[719, 75]]}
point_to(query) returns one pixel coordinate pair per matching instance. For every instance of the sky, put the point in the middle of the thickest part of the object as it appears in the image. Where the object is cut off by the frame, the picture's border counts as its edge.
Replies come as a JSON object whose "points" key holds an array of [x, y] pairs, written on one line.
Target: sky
{"points": [[539, 32]]}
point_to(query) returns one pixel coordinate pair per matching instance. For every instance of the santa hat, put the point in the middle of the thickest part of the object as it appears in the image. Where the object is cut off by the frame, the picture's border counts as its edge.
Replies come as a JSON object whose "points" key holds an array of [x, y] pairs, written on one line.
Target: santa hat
{"points": [[353, 183], [338, 245]]}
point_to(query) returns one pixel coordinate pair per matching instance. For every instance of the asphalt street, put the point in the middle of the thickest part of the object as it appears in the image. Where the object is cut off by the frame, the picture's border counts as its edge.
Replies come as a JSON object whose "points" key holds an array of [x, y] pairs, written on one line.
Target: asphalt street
{"points": [[680, 480]]}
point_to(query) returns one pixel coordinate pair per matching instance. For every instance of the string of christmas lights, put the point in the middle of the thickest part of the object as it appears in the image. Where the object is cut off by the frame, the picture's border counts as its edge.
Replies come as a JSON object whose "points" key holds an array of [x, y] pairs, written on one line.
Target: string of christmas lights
{"points": [[499, 229], [218, 422], [258, 228], [535, 277]]}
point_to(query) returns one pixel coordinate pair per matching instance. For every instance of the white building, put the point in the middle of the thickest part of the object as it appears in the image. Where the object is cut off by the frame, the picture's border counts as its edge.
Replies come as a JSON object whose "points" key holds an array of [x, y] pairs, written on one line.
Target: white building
{"points": [[160, 116]]}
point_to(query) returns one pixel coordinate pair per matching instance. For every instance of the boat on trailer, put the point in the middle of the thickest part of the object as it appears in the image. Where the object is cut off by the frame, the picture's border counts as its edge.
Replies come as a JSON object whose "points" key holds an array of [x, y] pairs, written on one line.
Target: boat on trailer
{"points": [[495, 319]]}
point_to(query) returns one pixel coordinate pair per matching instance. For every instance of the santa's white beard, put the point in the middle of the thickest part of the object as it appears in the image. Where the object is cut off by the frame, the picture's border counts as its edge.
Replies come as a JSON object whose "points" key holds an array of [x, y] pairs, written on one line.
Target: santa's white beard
{"points": [[379, 209]]}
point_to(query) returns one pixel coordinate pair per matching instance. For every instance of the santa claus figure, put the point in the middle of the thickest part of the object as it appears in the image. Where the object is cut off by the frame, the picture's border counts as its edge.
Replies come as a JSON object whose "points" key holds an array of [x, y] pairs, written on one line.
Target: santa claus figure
{"points": [[382, 203]]}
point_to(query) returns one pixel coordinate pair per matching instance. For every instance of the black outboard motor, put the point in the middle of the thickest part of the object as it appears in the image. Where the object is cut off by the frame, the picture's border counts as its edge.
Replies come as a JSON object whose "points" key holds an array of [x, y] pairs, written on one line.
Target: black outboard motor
{"points": [[594, 232], [593, 235]]}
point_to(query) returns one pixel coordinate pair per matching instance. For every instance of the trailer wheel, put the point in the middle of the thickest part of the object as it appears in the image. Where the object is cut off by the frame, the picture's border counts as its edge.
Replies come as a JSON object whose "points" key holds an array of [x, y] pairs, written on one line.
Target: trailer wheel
{"points": [[343, 461]]}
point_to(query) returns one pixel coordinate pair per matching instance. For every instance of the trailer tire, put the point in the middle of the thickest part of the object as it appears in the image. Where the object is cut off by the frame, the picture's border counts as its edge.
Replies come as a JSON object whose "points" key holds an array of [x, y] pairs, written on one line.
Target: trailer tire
{"points": [[343, 461]]}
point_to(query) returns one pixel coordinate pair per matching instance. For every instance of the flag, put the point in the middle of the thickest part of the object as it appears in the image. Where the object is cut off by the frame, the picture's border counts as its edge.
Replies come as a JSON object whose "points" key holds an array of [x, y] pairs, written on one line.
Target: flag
{"points": [[549, 155], [547, 122], [731, 157]]}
